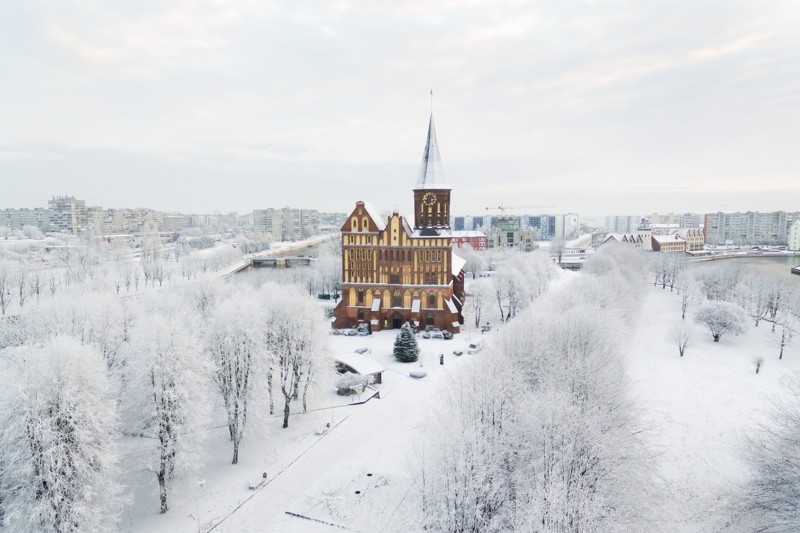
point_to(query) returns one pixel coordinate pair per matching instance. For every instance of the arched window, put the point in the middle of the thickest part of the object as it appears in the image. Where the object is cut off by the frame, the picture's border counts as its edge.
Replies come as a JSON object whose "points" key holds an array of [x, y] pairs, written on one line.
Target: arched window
{"points": [[432, 299], [429, 319], [355, 224], [360, 297], [397, 299], [380, 255], [365, 224]]}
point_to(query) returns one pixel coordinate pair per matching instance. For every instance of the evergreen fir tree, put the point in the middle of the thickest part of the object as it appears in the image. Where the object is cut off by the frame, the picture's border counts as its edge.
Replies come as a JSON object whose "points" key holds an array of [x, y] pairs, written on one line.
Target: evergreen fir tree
{"points": [[405, 345]]}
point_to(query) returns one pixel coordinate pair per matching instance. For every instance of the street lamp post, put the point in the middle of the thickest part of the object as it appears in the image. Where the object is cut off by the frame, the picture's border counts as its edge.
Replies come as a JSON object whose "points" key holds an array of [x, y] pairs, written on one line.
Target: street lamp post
{"points": [[197, 500]]}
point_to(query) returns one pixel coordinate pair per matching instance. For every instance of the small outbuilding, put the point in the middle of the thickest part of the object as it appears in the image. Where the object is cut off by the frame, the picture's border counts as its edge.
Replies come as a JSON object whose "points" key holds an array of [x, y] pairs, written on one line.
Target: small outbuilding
{"points": [[358, 364]]}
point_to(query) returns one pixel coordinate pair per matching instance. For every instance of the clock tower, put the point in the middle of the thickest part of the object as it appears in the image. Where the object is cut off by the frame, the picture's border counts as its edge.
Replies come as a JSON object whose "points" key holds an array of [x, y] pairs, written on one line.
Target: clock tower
{"points": [[431, 195]]}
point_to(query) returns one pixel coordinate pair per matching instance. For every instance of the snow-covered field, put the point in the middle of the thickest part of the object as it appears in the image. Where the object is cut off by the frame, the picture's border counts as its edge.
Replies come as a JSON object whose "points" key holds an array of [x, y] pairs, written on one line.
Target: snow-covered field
{"points": [[357, 474]]}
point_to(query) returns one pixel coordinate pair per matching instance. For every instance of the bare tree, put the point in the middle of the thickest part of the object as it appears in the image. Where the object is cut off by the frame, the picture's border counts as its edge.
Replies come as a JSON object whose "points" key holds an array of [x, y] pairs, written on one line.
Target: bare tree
{"points": [[681, 335]]}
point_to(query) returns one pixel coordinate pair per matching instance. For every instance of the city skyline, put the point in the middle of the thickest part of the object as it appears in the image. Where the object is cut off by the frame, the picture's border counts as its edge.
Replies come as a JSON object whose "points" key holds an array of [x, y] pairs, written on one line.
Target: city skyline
{"points": [[590, 108]]}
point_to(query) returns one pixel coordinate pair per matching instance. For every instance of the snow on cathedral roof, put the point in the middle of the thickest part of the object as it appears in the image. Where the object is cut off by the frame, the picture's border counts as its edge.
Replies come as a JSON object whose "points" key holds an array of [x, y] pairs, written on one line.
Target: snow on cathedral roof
{"points": [[431, 173], [375, 216], [458, 263]]}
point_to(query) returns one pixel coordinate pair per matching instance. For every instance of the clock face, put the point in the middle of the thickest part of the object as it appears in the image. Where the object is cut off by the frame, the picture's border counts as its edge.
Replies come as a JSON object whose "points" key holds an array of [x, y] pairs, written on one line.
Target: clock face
{"points": [[429, 199]]}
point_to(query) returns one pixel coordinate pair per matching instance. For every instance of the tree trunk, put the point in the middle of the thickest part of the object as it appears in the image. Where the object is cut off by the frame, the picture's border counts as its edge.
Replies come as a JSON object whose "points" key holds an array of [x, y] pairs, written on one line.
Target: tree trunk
{"points": [[286, 410], [716, 337], [162, 488], [235, 451], [271, 398]]}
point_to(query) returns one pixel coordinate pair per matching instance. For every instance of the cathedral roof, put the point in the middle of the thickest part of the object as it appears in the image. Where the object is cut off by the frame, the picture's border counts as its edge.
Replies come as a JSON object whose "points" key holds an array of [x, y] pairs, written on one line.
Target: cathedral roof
{"points": [[431, 173]]}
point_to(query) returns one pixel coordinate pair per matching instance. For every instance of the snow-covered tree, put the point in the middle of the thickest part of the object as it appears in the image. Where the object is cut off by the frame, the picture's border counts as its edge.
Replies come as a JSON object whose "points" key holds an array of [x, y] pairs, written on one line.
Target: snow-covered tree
{"points": [[235, 344], [294, 341], [406, 349], [59, 463], [475, 260], [557, 247], [479, 297], [6, 286], [721, 317], [468, 453], [788, 323], [719, 282], [770, 496], [167, 390]]}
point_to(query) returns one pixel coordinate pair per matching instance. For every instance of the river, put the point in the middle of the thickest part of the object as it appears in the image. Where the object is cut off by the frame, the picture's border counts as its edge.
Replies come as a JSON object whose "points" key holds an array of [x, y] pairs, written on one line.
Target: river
{"points": [[780, 265]]}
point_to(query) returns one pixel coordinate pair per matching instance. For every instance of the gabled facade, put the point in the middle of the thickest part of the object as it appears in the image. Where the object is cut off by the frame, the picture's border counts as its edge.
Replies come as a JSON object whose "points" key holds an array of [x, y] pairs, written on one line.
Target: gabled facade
{"points": [[393, 273], [627, 238]]}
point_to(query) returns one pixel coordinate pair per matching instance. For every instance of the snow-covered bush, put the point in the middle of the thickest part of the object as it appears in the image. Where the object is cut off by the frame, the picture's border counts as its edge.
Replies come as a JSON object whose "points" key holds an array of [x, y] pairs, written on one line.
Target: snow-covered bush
{"points": [[721, 317]]}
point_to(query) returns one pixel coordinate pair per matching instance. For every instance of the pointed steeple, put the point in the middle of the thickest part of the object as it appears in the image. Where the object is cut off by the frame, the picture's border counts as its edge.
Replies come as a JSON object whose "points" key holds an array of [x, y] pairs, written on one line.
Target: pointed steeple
{"points": [[431, 173]]}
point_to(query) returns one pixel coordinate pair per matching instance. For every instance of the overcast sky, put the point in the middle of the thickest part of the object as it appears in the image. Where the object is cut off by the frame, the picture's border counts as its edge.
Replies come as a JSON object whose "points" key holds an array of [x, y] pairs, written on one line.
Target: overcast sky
{"points": [[594, 107]]}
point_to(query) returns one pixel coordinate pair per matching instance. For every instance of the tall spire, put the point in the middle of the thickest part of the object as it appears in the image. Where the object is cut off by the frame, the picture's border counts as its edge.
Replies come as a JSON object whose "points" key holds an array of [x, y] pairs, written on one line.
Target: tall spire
{"points": [[431, 173]]}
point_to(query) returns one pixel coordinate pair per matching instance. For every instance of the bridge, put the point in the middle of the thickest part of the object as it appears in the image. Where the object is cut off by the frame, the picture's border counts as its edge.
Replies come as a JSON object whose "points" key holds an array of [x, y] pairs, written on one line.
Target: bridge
{"points": [[281, 262]]}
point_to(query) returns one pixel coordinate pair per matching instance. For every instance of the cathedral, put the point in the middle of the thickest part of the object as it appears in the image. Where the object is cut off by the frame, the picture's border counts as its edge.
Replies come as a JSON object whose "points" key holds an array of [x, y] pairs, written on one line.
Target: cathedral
{"points": [[393, 273]]}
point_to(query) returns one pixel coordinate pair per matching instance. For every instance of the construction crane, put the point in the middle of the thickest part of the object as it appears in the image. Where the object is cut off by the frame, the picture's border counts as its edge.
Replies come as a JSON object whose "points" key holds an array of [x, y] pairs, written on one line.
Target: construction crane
{"points": [[503, 208]]}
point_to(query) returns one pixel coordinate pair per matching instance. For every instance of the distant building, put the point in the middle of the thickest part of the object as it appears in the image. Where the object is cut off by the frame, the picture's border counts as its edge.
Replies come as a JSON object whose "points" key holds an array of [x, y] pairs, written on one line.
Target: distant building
{"points": [[567, 226], [19, 218], [287, 224], [458, 224], [626, 238], [794, 236], [545, 225], [476, 239], [668, 243], [622, 224], [509, 233], [694, 237], [177, 222], [645, 232], [67, 214], [749, 228]]}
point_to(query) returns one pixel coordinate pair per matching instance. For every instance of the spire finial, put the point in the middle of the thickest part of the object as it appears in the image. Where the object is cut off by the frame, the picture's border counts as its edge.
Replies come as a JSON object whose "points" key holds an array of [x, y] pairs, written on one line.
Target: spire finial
{"points": [[431, 100]]}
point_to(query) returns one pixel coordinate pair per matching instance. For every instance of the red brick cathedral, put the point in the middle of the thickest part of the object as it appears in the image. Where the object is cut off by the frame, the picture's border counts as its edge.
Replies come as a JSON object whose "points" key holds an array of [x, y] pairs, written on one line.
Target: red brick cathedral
{"points": [[393, 274]]}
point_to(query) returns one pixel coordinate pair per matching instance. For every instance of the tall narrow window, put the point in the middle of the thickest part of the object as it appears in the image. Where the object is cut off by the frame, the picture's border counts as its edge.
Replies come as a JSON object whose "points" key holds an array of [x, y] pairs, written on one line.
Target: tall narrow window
{"points": [[432, 299], [360, 297], [397, 299]]}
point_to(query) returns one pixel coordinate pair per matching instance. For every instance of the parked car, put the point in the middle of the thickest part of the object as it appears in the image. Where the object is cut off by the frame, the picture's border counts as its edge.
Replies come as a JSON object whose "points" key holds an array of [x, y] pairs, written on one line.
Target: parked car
{"points": [[437, 335], [350, 332], [475, 346], [447, 335], [335, 332], [426, 334]]}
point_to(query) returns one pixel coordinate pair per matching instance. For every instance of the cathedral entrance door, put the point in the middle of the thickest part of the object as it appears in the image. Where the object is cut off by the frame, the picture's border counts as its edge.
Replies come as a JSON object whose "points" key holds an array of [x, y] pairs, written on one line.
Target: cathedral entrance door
{"points": [[397, 321]]}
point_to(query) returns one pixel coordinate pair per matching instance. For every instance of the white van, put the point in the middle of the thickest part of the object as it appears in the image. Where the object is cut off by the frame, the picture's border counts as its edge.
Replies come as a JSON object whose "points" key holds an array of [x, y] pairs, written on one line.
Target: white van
{"points": [[475, 346]]}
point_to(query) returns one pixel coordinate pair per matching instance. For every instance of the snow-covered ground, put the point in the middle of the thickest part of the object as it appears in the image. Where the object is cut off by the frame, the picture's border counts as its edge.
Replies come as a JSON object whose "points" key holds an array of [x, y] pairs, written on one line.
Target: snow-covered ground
{"points": [[699, 406], [357, 474], [367, 449]]}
